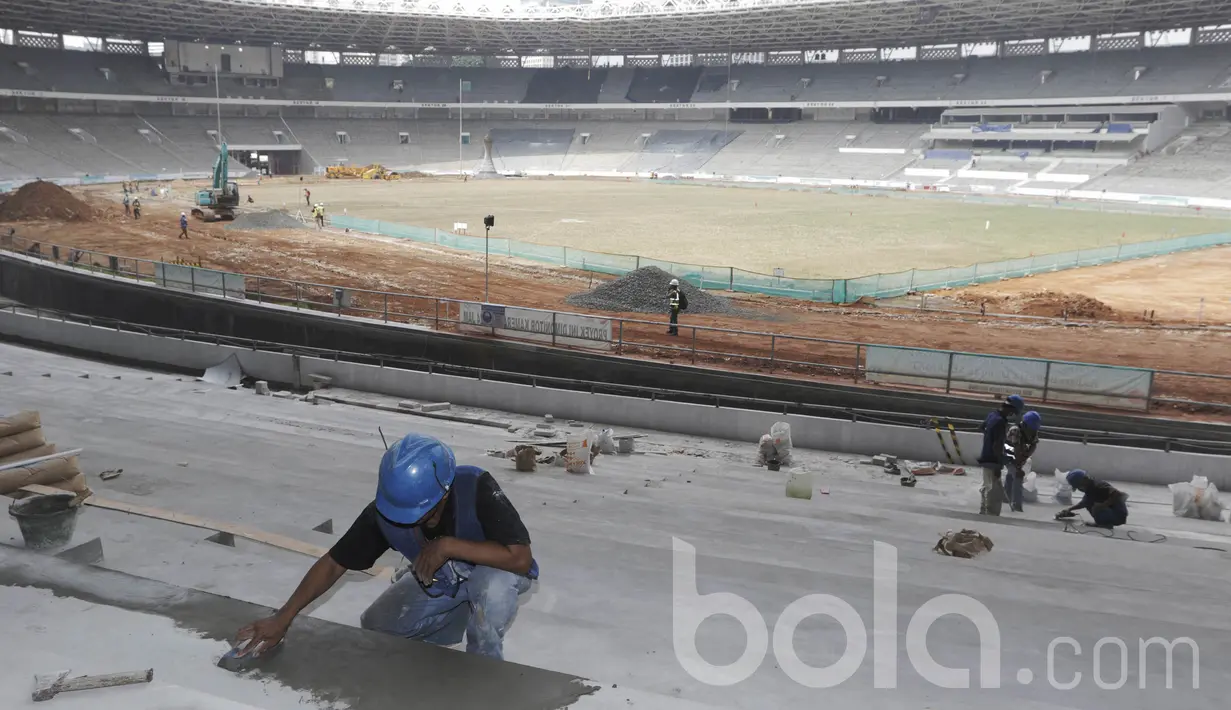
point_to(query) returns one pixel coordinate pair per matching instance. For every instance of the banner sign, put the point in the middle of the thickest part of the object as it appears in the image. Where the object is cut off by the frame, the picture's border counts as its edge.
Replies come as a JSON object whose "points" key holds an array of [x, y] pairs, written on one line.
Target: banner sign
{"points": [[540, 326]]}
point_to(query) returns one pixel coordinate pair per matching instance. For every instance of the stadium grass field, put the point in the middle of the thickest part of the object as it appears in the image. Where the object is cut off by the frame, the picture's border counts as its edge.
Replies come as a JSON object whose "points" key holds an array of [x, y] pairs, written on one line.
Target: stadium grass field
{"points": [[808, 233]]}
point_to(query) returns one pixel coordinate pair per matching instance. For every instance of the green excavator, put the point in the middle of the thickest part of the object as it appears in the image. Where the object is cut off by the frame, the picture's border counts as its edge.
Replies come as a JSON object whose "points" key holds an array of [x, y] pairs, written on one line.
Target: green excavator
{"points": [[220, 200]]}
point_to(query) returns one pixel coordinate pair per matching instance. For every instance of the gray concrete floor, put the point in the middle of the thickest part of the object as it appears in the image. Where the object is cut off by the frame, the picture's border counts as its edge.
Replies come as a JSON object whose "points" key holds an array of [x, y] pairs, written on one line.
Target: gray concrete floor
{"points": [[604, 606]]}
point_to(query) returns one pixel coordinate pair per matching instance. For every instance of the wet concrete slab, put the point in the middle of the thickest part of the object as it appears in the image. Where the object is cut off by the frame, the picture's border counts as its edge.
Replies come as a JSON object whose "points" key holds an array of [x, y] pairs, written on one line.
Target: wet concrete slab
{"points": [[359, 669]]}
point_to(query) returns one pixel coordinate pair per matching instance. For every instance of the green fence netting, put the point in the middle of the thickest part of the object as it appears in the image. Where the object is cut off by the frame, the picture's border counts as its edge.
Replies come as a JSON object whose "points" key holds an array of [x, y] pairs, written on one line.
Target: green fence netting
{"points": [[825, 290]]}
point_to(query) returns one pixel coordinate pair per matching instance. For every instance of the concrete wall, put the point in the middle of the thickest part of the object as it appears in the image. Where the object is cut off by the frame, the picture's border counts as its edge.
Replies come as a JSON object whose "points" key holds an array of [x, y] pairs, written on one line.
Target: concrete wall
{"points": [[1172, 120], [1112, 462]]}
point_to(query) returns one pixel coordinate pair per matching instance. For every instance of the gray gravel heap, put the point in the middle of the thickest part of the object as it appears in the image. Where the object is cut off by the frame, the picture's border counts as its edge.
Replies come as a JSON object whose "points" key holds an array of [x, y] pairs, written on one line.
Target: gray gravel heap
{"points": [[645, 291], [269, 219]]}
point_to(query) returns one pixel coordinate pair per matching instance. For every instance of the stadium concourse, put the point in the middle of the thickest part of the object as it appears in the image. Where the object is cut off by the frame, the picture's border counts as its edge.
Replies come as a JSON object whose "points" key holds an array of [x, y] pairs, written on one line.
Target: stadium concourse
{"points": [[1052, 126]]}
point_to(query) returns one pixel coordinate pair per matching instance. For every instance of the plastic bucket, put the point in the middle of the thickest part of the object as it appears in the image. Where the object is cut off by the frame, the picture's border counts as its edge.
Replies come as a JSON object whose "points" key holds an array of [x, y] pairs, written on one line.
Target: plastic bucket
{"points": [[45, 521]]}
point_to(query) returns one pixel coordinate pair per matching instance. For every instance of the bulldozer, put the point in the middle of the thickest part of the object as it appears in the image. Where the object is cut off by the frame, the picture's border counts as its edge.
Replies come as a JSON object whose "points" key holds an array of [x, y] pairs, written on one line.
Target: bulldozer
{"points": [[221, 198]]}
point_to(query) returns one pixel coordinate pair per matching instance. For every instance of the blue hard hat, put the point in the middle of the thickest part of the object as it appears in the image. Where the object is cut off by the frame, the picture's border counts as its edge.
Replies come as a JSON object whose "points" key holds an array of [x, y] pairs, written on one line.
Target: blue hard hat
{"points": [[1032, 421], [1016, 402], [1075, 476], [415, 474]]}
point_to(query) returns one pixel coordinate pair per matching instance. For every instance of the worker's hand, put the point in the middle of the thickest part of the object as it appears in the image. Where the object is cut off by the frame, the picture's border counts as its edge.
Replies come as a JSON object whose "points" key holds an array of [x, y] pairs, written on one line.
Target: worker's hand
{"points": [[263, 634], [431, 558]]}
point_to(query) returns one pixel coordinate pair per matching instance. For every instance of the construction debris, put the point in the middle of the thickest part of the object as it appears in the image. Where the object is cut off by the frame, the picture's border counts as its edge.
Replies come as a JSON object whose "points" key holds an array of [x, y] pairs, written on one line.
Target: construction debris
{"points": [[47, 687], [113, 473], [966, 544], [260, 387], [645, 291], [271, 219], [1197, 498], [435, 407], [526, 458]]}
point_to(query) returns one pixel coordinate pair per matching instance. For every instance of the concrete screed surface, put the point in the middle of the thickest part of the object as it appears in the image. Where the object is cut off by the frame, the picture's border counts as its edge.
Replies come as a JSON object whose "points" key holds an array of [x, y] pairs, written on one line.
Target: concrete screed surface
{"points": [[808, 232], [604, 606]]}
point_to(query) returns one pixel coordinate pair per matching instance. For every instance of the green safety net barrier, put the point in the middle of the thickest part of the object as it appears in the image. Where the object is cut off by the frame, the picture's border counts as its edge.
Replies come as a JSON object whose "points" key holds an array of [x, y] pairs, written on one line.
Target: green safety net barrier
{"points": [[825, 290]]}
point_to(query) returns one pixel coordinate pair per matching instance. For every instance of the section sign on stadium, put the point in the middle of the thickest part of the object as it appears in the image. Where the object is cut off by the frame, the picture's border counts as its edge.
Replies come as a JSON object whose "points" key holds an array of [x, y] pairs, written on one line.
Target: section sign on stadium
{"points": [[540, 326]]}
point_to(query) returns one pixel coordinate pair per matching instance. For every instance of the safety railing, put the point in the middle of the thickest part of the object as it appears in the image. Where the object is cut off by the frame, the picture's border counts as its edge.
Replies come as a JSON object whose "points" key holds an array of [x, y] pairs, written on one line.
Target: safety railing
{"points": [[703, 345]]}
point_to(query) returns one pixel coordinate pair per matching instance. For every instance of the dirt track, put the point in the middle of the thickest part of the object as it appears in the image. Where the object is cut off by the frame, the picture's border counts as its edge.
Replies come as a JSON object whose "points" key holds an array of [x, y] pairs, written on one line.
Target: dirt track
{"points": [[400, 266]]}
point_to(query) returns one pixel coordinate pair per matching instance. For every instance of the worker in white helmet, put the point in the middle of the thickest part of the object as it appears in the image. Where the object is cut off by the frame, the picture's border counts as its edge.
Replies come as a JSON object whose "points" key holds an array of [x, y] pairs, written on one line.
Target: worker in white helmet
{"points": [[676, 301]]}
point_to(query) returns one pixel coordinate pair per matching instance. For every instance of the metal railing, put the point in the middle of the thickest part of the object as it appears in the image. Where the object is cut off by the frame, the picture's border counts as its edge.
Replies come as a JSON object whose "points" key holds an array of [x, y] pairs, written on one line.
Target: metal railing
{"points": [[722, 348], [853, 414]]}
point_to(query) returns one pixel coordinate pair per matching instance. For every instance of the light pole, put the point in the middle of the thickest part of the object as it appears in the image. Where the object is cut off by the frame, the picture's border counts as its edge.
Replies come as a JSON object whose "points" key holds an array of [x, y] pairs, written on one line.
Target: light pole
{"points": [[488, 222]]}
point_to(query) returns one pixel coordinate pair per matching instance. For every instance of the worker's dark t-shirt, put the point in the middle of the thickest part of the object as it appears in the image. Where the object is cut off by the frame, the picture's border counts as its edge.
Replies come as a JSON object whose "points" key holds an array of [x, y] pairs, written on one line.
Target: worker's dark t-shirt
{"points": [[364, 543], [1099, 492]]}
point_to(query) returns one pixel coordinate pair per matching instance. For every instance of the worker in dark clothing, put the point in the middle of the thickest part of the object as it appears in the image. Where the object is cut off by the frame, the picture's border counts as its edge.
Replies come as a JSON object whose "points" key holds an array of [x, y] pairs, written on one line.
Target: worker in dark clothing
{"points": [[676, 302], [1105, 503], [183, 225], [137, 208], [127, 205], [992, 458], [307, 196], [1019, 444], [468, 551]]}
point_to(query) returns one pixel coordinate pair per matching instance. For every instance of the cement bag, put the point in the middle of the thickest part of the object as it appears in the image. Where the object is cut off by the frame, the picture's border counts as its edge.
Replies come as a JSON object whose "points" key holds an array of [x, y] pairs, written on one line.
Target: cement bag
{"points": [[17, 423], [1064, 492], [23, 441], [34, 453], [606, 442], [1196, 499], [765, 449], [45, 473], [1030, 488], [577, 453], [780, 432]]}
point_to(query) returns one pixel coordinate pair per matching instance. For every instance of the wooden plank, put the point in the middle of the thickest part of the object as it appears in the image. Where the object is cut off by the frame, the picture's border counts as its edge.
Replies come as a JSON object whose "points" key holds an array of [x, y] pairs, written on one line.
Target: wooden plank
{"points": [[248, 533]]}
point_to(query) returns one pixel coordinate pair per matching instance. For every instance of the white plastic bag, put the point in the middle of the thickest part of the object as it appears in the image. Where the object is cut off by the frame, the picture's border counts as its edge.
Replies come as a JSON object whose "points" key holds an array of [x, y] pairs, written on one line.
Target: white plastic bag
{"points": [[1196, 499], [1030, 488], [780, 437], [577, 453], [1064, 492], [606, 442]]}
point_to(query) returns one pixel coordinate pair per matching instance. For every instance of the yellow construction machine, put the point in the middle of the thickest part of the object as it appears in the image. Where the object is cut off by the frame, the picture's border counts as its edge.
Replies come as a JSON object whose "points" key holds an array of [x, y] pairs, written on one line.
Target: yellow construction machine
{"points": [[370, 172]]}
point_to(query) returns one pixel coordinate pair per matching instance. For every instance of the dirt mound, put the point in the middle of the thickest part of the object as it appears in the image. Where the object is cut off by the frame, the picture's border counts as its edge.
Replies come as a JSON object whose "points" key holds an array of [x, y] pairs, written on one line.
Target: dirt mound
{"points": [[44, 200], [645, 291], [1051, 304]]}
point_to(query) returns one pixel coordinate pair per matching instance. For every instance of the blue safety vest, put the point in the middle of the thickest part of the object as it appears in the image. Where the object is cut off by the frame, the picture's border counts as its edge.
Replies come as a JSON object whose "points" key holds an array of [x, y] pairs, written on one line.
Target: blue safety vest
{"points": [[466, 526]]}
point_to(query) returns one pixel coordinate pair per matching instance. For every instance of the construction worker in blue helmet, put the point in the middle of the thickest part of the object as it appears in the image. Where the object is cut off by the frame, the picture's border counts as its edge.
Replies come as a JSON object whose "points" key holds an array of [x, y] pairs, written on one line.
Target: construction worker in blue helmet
{"points": [[992, 457], [1107, 505], [468, 551], [1019, 443]]}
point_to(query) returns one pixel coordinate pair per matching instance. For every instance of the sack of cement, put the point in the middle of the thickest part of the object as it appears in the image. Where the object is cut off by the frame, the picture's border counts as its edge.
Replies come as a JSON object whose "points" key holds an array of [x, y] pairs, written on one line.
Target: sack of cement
{"points": [[606, 442], [34, 453], [19, 422], [781, 434], [577, 454], [965, 544], [1064, 492], [1030, 488], [47, 473], [526, 458], [21, 441], [1196, 499]]}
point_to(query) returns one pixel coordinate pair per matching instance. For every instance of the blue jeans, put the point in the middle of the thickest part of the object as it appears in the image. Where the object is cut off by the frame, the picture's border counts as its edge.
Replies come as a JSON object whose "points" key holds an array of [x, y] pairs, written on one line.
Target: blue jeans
{"points": [[1111, 516], [1013, 487], [484, 608]]}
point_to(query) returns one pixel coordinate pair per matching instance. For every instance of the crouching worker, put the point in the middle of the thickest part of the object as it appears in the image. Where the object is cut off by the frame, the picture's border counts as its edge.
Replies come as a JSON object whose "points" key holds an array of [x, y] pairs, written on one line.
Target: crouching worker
{"points": [[1105, 503], [468, 550]]}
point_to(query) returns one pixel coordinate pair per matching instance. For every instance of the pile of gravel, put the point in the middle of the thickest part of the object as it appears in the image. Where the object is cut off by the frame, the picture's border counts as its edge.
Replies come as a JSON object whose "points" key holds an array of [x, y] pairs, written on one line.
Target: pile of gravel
{"points": [[271, 219], [645, 291]]}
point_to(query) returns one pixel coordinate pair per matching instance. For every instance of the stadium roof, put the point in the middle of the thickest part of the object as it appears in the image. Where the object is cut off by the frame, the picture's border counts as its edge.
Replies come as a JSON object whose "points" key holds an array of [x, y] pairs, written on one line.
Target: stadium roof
{"points": [[603, 26]]}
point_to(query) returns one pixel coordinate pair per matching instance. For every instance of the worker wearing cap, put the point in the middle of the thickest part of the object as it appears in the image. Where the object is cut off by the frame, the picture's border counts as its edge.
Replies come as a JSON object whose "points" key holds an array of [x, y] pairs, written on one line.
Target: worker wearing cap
{"points": [[1020, 442], [992, 458], [183, 225], [1106, 504], [674, 303], [468, 551]]}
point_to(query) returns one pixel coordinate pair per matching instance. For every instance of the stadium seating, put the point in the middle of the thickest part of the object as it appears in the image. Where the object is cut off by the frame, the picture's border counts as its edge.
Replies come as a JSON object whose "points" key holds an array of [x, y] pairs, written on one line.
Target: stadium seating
{"points": [[1191, 69]]}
